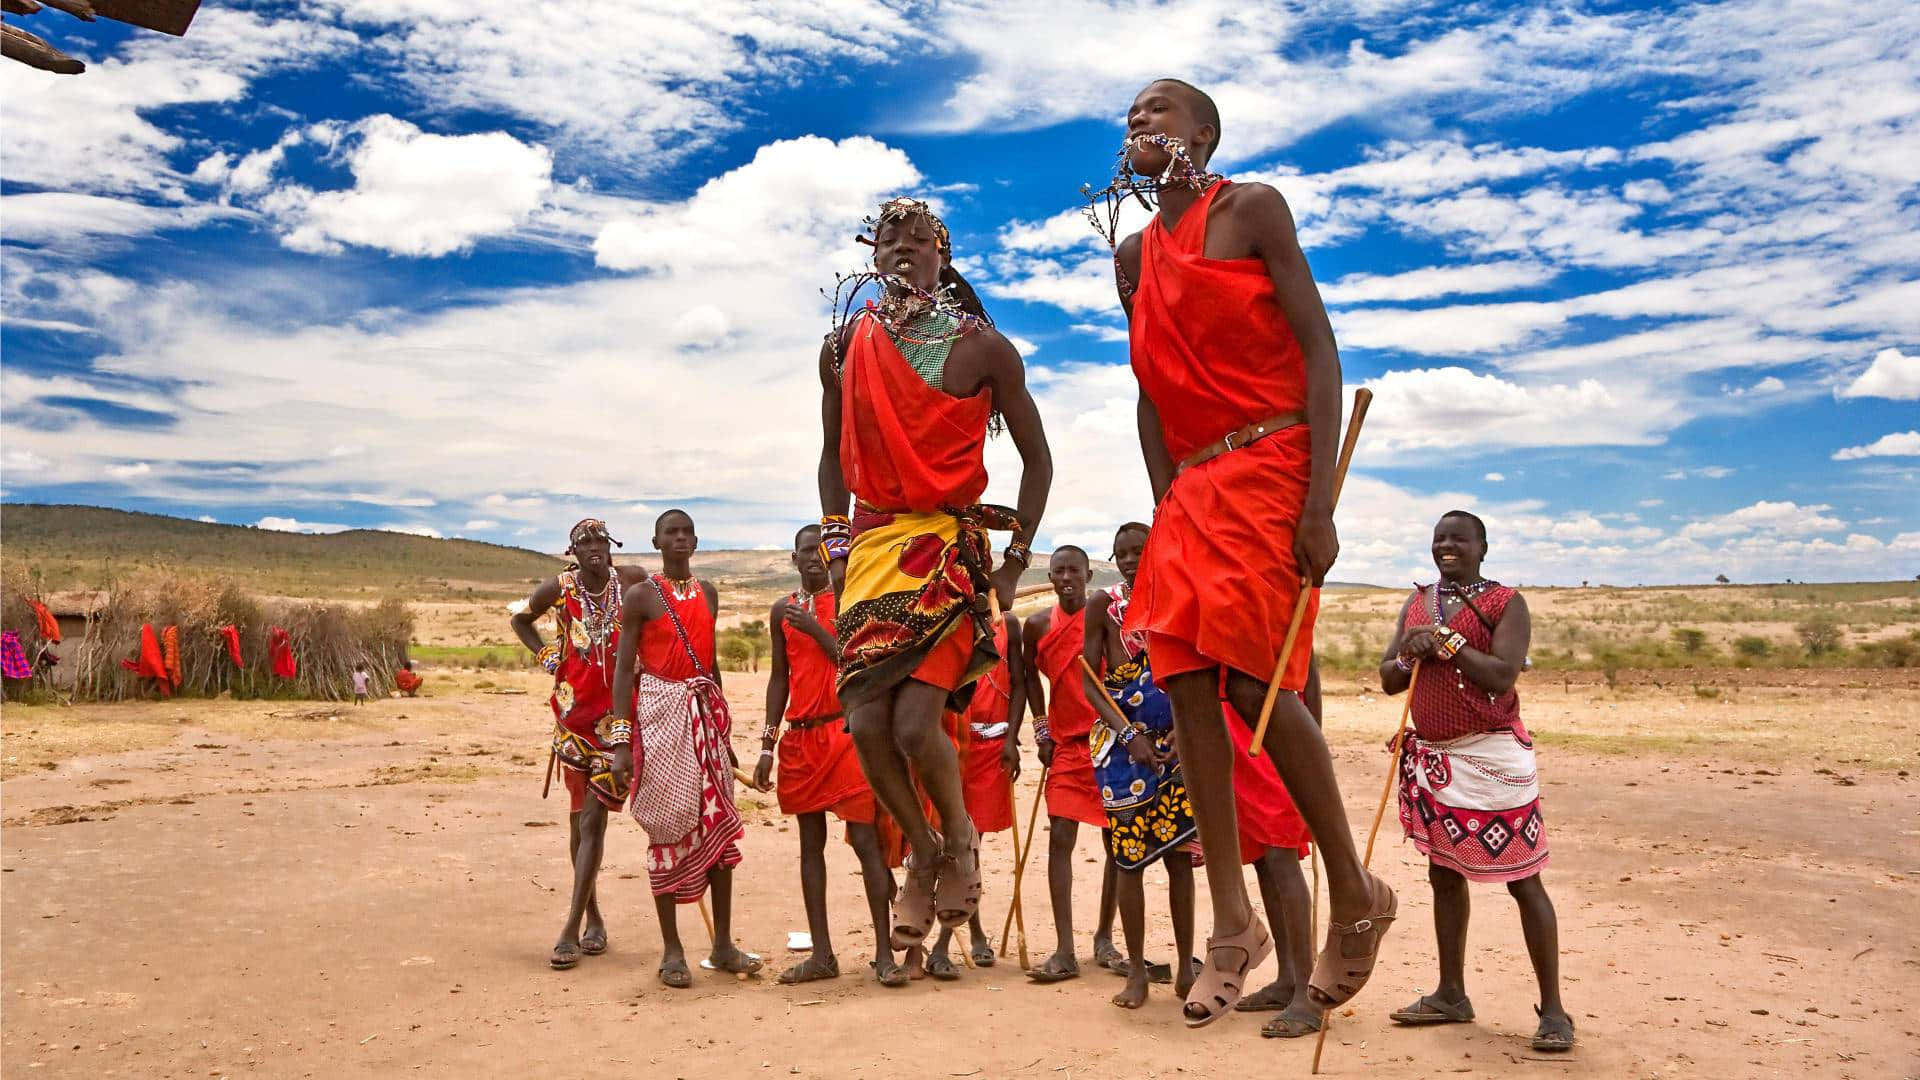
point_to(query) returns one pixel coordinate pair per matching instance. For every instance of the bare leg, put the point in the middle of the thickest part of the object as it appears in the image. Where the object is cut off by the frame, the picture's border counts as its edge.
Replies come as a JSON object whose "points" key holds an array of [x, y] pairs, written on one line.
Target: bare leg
{"points": [[673, 956], [1290, 906], [1542, 929], [917, 732], [813, 894], [878, 880], [1132, 901], [1206, 759], [1452, 905], [585, 839], [1103, 949], [1180, 903], [887, 772], [726, 955], [1061, 834]]}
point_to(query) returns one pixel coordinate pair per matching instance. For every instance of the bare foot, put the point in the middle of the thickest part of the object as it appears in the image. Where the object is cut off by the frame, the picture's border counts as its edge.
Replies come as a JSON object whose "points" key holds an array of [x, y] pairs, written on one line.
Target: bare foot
{"points": [[916, 963], [1134, 994]]}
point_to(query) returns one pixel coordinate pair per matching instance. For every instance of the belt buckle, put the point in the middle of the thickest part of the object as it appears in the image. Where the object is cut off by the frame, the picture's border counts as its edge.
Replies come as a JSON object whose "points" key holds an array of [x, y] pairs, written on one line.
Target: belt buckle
{"points": [[1227, 441]]}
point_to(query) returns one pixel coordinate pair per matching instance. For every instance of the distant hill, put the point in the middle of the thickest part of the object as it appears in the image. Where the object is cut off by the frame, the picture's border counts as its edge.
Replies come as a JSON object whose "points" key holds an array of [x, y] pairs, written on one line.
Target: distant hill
{"points": [[85, 546]]}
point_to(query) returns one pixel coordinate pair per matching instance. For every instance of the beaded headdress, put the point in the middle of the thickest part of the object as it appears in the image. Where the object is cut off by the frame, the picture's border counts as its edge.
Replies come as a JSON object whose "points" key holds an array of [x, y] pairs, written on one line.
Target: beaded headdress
{"points": [[900, 301], [590, 529]]}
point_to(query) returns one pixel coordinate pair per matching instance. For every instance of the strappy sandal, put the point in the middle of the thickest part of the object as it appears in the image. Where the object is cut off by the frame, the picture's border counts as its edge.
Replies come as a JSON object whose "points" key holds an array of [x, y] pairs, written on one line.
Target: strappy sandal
{"points": [[1215, 992], [941, 966], [1433, 1010], [983, 955], [1337, 977], [957, 896], [913, 906], [1555, 1033], [564, 956], [593, 942], [1290, 1025]]}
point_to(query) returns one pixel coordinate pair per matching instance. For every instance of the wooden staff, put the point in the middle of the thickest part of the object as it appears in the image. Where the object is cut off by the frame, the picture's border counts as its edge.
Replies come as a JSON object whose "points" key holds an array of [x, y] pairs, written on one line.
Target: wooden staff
{"points": [[1102, 703], [1017, 912], [746, 780], [547, 784], [707, 917], [1362, 398], [1020, 868], [1393, 769]]}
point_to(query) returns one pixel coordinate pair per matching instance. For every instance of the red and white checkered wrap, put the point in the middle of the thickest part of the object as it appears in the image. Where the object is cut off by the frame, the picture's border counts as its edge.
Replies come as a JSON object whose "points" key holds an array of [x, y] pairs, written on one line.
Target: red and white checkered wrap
{"points": [[667, 800]]}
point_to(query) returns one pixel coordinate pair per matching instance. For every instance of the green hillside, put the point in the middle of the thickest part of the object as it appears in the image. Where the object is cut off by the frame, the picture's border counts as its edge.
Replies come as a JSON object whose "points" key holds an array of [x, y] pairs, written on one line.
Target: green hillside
{"points": [[87, 546]]}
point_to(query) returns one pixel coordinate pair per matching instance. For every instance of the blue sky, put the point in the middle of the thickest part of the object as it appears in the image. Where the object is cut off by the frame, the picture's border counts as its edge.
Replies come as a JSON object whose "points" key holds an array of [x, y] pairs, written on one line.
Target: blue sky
{"points": [[1635, 282]]}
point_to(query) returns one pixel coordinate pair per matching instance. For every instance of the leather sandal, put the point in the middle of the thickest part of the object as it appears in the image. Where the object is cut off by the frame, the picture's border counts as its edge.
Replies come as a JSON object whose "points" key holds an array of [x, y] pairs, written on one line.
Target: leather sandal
{"points": [[913, 906], [957, 897], [1215, 992], [1337, 977]]}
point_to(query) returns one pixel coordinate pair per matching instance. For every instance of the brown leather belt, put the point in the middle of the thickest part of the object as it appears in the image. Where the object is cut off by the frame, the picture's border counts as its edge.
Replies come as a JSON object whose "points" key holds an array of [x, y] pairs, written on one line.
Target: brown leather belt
{"points": [[813, 721], [1240, 440]]}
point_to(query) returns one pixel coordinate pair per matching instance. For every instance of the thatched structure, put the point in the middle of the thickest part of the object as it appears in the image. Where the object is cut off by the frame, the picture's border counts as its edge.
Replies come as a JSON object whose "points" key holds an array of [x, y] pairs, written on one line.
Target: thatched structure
{"points": [[327, 640], [167, 16]]}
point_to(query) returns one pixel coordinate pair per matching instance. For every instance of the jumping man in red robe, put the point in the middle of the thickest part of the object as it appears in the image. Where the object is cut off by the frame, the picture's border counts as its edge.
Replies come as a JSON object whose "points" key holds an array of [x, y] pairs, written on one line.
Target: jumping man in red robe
{"points": [[1239, 421]]}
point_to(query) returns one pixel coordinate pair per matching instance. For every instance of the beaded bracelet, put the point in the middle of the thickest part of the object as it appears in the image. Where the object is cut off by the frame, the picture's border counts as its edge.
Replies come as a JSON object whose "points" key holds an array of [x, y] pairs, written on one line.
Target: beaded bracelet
{"points": [[1452, 643], [1127, 735], [1041, 730], [836, 537], [1020, 552], [549, 657], [618, 732], [1403, 662]]}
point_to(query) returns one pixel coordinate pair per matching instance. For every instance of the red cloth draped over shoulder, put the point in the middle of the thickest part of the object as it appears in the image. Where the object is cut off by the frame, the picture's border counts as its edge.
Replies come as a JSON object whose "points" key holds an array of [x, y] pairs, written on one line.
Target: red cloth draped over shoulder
{"points": [[1214, 352], [1069, 714], [280, 652], [49, 626], [660, 650], [905, 445], [231, 635], [819, 767]]}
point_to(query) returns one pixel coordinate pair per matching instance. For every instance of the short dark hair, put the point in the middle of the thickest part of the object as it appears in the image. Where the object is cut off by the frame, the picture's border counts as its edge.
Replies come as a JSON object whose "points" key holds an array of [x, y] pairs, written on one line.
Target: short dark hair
{"points": [[1209, 113], [810, 527], [1478, 525], [662, 519], [1132, 526], [1076, 549]]}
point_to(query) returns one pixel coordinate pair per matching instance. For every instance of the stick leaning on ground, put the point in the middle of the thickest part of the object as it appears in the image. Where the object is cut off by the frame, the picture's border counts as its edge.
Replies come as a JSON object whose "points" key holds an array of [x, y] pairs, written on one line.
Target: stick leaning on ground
{"points": [[1362, 398], [1393, 770]]}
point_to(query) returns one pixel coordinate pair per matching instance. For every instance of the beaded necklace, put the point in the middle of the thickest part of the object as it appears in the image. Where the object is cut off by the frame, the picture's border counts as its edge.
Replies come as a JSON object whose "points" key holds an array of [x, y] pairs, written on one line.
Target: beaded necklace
{"points": [[1103, 206], [685, 588], [1464, 592]]}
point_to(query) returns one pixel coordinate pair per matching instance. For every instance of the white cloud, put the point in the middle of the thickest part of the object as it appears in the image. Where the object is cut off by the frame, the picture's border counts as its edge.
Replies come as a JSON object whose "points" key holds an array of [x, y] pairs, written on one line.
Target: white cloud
{"points": [[1495, 478], [410, 529], [478, 524], [129, 472], [1783, 518], [1898, 444], [415, 193], [1434, 281], [60, 218], [1107, 334], [1415, 409], [287, 524], [1892, 374], [1769, 385], [206, 519]]}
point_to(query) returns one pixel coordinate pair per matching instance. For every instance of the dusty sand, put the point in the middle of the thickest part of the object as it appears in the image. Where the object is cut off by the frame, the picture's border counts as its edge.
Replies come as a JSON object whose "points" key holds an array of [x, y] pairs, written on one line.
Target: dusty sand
{"points": [[205, 890]]}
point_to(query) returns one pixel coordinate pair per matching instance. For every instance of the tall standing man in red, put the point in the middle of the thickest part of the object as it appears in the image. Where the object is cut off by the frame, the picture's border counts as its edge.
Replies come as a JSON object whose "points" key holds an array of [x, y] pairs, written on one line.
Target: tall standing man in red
{"points": [[911, 384], [1239, 421], [819, 768]]}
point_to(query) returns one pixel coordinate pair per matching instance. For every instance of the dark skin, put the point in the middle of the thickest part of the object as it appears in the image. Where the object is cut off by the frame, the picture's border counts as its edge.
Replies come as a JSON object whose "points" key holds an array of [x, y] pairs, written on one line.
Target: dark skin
{"points": [[1252, 221], [586, 828], [1067, 572], [979, 944], [674, 537], [901, 731], [864, 838], [1283, 888], [1458, 551], [1103, 650]]}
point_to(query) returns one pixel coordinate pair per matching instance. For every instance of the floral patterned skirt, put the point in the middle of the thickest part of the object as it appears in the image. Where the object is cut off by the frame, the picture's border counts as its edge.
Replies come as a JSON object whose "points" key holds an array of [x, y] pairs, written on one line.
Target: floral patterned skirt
{"points": [[1148, 812]]}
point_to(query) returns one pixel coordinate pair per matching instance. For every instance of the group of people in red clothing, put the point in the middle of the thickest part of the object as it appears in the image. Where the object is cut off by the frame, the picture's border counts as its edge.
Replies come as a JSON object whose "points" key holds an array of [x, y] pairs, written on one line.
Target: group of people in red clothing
{"points": [[901, 680]]}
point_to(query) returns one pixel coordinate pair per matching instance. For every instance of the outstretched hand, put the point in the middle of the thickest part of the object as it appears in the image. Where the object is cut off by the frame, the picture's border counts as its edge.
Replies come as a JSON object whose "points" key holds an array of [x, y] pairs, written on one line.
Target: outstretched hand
{"points": [[1010, 760]]}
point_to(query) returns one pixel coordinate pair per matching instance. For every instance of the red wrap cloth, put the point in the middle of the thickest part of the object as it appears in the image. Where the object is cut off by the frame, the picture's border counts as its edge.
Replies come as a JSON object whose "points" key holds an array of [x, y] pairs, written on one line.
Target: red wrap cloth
{"points": [[1267, 816], [1072, 791], [988, 791], [231, 635], [407, 682], [582, 682], [660, 650], [280, 651], [49, 626], [152, 663], [905, 445], [1445, 705], [170, 648], [819, 768], [1214, 353]]}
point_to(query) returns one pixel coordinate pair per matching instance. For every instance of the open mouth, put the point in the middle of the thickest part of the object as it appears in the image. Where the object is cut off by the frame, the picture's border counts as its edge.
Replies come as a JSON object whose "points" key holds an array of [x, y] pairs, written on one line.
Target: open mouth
{"points": [[902, 266]]}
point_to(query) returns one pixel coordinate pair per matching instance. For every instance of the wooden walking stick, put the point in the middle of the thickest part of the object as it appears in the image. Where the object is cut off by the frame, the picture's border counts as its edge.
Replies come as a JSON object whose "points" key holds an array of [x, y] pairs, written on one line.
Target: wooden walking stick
{"points": [[1393, 769], [1020, 868], [1362, 398], [1016, 913], [547, 784]]}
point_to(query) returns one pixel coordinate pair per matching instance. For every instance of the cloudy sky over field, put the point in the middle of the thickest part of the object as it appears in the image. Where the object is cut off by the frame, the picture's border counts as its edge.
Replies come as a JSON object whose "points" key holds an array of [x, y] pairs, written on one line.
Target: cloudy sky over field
{"points": [[1637, 283]]}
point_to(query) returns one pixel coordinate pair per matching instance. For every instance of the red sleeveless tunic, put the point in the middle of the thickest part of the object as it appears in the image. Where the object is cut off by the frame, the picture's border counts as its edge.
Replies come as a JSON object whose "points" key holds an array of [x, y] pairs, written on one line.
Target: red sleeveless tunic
{"points": [[905, 445], [660, 651], [1072, 792], [811, 673], [989, 793], [1214, 353]]}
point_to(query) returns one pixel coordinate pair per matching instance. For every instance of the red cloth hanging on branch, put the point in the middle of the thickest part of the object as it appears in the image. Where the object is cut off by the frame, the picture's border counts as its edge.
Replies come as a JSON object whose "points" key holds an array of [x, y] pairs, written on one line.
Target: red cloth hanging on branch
{"points": [[280, 649], [49, 626], [170, 651], [152, 663], [232, 635]]}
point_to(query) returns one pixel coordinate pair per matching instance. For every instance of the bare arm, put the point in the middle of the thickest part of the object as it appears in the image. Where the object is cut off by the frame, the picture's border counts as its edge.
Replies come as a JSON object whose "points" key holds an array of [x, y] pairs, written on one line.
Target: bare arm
{"points": [[1016, 679], [634, 616], [713, 609], [1496, 671], [1008, 378], [835, 499], [1153, 447], [802, 620], [1271, 223], [525, 623], [776, 676], [1035, 629], [1097, 631]]}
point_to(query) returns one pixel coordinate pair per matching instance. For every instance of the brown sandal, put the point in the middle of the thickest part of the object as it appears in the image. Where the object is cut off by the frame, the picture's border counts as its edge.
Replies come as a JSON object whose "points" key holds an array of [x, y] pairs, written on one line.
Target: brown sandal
{"points": [[913, 906], [1216, 992], [1337, 977], [957, 897]]}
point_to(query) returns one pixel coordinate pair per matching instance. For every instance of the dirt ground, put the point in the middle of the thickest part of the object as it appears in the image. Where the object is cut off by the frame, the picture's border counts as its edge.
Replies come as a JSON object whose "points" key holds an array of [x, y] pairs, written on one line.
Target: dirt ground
{"points": [[205, 889]]}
